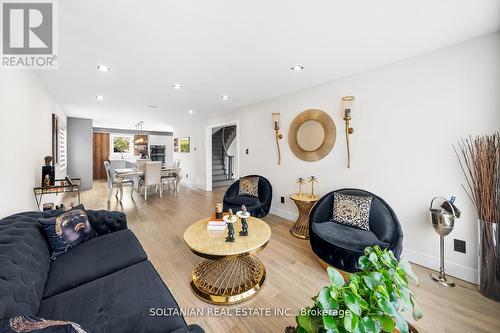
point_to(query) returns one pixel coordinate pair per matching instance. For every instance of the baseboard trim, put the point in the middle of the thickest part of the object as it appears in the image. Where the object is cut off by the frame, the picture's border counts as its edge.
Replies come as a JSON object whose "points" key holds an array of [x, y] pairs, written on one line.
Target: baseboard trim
{"points": [[452, 269], [192, 185], [284, 213]]}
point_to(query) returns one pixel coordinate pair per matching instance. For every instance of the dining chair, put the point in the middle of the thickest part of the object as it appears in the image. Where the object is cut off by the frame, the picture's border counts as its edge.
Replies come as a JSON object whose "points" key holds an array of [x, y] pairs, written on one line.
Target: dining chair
{"points": [[171, 177], [141, 163], [152, 177], [113, 183]]}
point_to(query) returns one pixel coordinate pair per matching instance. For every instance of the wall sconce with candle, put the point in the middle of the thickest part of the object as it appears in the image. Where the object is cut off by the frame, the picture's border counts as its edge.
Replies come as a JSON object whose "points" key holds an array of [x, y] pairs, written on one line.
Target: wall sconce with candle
{"points": [[279, 136], [347, 104]]}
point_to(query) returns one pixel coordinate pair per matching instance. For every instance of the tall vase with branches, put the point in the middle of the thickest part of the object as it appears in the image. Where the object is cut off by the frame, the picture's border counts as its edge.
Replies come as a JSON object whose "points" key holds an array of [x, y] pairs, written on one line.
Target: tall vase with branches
{"points": [[479, 158]]}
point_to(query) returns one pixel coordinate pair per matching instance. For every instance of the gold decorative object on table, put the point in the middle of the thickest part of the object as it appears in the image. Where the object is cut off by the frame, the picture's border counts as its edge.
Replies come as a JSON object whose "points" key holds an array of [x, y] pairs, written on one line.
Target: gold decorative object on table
{"points": [[301, 182], [312, 180], [348, 102], [279, 136], [230, 272], [304, 204], [312, 135]]}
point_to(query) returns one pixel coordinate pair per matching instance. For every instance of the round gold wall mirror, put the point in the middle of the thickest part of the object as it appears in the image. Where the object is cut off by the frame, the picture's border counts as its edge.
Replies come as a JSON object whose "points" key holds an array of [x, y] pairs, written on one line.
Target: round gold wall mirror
{"points": [[312, 135]]}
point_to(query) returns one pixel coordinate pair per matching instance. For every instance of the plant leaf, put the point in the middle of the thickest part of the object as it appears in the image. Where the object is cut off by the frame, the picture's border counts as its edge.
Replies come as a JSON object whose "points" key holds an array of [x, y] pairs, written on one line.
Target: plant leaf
{"points": [[368, 325], [350, 322], [417, 311], [406, 267], [387, 323], [300, 329], [329, 323], [373, 258], [305, 321], [370, 282], [401, 324], [336, 278], [326, 301], [364, 263], [352, 303], [386, 306]]}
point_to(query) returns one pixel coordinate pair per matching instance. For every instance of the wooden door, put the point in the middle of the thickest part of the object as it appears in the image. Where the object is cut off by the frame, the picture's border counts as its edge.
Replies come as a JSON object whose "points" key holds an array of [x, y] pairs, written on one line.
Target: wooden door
{"points": [[100, 154]]}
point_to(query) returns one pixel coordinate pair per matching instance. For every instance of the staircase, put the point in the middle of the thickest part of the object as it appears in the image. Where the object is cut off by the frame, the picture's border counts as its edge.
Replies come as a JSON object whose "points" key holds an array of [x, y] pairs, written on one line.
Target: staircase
{"points": [[222, 163]]}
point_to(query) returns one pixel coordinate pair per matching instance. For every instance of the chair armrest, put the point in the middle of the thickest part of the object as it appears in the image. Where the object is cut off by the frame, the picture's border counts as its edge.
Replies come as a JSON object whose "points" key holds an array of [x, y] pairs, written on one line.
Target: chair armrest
{"points": [[189, 329], [105, 221]]}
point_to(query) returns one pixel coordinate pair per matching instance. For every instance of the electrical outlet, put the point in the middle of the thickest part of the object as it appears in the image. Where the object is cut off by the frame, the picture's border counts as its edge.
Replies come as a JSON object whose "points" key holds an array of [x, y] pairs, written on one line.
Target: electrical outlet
{"points": [[282, 200], [459, 245], [247, 152]]}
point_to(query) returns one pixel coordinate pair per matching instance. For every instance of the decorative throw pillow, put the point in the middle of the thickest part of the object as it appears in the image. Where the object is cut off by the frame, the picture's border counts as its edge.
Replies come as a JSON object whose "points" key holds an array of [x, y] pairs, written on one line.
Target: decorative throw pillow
{"points": [[67, 230], [352, 210], [38, 325], [249, 186]]}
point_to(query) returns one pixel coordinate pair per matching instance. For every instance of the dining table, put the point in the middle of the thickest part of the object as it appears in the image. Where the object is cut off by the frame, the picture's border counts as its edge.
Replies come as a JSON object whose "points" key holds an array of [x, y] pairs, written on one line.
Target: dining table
{"points": [[127, 173]]}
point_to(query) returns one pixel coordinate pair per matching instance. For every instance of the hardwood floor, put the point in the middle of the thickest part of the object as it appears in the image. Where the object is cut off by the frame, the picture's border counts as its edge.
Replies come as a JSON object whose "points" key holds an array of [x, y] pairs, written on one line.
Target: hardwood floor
{"points": [[293, 274]]}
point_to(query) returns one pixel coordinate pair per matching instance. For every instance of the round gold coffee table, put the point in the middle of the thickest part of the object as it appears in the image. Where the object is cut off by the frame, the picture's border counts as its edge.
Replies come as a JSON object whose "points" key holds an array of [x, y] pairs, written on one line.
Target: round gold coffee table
{"points": [[304, 203], [230, 272]]}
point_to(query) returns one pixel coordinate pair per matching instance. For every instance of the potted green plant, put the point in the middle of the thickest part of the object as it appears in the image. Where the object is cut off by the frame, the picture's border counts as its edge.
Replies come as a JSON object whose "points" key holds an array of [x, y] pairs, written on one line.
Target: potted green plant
{"points": [[370, 301]]}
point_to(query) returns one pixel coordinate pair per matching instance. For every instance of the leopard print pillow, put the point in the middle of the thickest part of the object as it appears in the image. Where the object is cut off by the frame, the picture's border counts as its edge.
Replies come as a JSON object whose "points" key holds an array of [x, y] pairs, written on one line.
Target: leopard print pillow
{"points": [[249, 186], [352, 210]]}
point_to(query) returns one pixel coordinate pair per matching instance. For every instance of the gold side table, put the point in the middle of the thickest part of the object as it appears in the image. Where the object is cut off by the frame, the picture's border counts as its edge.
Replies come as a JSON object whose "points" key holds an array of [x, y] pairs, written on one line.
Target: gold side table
{"points": [[230, 272], [304, 203]]}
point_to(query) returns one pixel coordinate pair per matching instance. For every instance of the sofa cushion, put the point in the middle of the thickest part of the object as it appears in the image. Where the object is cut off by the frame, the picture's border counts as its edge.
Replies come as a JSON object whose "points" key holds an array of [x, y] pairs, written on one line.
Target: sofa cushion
{"points": [[24, 265], [240, 200], [119, 302], [67, 230], [346, 237], [93, 259], [352, 210], [249, 186]]}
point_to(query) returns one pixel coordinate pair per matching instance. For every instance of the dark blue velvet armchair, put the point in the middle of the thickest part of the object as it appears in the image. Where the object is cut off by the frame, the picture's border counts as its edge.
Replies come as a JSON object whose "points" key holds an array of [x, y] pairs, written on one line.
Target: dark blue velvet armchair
{"points": [[257, 207], [340, 245]]}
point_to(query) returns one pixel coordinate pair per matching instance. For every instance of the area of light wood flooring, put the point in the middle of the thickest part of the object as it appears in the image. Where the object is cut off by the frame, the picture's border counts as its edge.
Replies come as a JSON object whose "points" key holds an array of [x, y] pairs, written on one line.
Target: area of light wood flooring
{"points": [[293, 274]]}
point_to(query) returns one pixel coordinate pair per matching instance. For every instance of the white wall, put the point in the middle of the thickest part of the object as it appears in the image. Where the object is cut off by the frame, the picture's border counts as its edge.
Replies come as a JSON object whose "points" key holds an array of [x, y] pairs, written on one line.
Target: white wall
{"points": [[406, 118], [25, 132]]}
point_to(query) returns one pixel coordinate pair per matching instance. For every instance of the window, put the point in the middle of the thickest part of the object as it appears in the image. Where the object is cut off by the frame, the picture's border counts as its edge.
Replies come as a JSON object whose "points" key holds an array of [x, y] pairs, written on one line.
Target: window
{"points": [[62, 148], [121, 144]]}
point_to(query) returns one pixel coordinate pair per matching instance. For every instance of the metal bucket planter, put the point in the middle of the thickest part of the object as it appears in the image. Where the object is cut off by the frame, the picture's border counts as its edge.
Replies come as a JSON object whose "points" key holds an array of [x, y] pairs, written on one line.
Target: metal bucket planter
{"points": [[489, 259]]}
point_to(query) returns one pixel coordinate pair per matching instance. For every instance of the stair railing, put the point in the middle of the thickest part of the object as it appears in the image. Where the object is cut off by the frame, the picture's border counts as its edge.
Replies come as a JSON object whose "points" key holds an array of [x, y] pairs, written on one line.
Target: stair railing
{"points": [[226, 143]]}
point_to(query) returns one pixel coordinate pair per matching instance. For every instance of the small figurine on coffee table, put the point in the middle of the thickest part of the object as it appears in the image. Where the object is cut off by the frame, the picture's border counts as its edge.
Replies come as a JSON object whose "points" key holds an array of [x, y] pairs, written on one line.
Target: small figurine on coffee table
{"points": [[230, 219], [243, 215]]}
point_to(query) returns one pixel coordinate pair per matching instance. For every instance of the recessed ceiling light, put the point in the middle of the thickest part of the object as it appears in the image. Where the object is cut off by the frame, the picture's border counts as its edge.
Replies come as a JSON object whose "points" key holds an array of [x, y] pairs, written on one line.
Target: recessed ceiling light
{"points": [[177, 86], [225, 97], [190, 111], [103, 68], [152, 106], [99, 97], [297, 68]]}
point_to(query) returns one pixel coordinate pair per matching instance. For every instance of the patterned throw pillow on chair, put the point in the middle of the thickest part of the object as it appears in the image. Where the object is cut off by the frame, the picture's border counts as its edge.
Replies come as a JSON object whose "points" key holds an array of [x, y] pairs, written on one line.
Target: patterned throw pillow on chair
{"points": [[352, 210], [38, 325], [249, 186]]}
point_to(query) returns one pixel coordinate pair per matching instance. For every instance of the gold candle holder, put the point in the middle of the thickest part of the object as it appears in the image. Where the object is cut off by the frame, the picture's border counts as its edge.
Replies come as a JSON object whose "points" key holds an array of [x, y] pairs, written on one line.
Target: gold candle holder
{"points": [[278, 135], [348, 102], [312, 180]]}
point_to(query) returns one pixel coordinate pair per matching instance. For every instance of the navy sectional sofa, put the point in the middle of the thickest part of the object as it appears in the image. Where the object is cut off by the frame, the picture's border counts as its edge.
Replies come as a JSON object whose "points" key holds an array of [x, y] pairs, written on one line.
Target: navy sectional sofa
{"points": [[105, 284]]}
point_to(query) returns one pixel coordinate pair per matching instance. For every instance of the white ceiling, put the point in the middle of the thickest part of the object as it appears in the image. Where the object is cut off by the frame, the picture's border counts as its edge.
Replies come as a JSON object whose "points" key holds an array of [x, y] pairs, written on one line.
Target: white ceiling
{"points": [[240, 48]]}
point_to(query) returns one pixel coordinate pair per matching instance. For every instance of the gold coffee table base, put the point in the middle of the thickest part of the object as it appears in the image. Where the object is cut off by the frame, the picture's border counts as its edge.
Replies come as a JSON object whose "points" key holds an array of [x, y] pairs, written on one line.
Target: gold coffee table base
{"points": [[228, 281]]}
